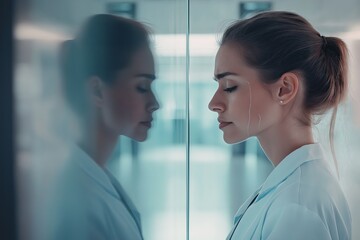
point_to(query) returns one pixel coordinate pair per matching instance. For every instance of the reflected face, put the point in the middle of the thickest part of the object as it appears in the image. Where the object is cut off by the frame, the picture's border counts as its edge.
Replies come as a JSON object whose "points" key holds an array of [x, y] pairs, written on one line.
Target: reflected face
{"points": [[244, 104], [129, 102]]}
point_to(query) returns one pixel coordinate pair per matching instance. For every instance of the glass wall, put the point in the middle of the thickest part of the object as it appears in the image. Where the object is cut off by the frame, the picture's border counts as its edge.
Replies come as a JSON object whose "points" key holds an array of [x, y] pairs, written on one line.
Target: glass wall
{"points": [[154, 173]]}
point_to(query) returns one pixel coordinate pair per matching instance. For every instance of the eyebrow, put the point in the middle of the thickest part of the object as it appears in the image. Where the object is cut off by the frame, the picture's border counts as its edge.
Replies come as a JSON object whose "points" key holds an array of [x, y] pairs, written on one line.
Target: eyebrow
{"points": [[146, 75], [219, 76]]}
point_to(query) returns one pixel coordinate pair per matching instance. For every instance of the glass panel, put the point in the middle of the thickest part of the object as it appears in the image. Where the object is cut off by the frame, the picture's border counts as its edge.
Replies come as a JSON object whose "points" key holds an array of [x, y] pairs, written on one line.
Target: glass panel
{"points": [[223, 176], [152, 173]]}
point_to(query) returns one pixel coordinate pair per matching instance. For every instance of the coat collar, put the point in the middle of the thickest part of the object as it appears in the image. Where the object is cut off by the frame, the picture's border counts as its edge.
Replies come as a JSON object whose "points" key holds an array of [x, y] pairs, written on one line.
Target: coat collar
{"points": [[285, 168], [106, 180], [289, 164], [92, 169]]}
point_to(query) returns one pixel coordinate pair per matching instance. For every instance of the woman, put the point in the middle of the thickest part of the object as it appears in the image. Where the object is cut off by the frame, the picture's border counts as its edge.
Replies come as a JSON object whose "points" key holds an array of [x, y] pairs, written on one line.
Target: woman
{"points": [[275, 73], [107, 70]]}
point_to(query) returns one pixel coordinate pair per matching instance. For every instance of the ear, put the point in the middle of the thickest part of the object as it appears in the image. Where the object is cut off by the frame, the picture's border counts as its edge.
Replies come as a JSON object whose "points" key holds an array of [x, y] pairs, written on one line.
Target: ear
{"points": [[95, 90], [286, 88]]}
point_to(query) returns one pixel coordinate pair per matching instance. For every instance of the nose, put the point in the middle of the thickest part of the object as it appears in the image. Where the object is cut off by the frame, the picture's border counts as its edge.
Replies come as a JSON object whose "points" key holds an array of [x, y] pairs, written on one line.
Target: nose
{"points": [[154, 104], [215, 105]]}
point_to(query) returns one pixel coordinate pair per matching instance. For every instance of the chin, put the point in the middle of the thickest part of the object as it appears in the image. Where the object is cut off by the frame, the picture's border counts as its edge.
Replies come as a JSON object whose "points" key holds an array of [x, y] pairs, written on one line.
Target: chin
{"points": [[139, 137], [230, 140]]}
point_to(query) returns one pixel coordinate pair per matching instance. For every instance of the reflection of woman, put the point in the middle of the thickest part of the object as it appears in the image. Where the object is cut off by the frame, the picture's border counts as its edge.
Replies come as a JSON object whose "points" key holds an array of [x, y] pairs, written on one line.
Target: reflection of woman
{"points": [[275, 72], [108, 70]]}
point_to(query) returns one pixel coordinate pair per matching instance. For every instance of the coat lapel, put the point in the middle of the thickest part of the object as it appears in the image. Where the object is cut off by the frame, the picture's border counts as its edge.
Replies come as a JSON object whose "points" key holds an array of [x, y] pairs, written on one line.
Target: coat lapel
{"points": [[240, 213], [126, 201]]}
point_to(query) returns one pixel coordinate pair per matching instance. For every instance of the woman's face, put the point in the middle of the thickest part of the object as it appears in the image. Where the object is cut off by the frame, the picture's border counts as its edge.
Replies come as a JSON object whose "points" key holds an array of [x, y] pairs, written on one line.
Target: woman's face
{"points": [[129, 102], [244, 104]]}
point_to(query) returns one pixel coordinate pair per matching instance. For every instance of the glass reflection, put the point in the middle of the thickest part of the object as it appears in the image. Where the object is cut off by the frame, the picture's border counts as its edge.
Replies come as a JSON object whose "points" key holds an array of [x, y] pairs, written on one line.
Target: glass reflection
{"points": [[107, 71], [152, 173]]}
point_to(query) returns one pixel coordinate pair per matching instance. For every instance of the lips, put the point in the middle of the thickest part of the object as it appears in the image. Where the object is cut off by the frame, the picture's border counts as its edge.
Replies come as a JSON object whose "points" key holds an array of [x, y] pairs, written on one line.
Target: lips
{"points": [[223, 123], [147, 123]]}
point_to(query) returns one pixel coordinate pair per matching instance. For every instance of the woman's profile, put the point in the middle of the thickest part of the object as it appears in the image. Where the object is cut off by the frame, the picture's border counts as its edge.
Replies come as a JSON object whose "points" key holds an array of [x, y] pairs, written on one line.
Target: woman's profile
{"points": [[275, 74], [108, 69]]}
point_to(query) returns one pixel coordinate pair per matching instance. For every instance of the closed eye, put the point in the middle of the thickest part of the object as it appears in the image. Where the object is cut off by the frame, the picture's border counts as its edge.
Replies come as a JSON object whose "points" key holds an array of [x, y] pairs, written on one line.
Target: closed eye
{"points": [[230, 89], [142, 90]]}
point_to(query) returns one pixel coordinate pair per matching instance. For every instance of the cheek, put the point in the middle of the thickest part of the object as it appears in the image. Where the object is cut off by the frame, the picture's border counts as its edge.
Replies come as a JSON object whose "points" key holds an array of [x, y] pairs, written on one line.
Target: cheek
{"points": [[125, 107], [253, 110], [263, 112], [117, 108], [241, 106], [116, 101]]}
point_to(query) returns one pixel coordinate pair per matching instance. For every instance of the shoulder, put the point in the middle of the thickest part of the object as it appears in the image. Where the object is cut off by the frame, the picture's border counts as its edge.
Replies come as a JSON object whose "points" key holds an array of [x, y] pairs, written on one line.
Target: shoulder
{"points": [[294, 221], [310, 185], [311, 194]]}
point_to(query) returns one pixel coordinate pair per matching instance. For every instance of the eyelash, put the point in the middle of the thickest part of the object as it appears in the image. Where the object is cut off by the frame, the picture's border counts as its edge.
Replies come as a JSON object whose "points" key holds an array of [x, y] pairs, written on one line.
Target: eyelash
{"points": [[230, 89], [142, 90]]}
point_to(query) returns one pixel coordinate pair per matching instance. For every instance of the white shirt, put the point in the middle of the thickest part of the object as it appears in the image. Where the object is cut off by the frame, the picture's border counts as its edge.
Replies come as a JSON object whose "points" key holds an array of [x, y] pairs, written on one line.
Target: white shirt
{"points": [[300, 199], [92, 204]]}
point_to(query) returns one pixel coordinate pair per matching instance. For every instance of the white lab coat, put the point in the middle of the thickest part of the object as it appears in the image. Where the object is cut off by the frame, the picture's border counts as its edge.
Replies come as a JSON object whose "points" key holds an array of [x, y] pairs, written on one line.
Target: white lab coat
{"points": [[91, 204], [300, 199]]}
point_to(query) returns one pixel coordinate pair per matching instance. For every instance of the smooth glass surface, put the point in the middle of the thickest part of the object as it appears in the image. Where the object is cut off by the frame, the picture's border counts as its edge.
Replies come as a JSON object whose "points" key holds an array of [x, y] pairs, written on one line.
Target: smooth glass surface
{"points": [[153, 172]]}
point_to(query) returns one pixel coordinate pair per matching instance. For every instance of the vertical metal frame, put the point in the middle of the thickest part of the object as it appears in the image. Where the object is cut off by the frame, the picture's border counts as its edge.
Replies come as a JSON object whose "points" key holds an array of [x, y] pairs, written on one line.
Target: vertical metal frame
{"points": [[187, 129], [7, 154]]}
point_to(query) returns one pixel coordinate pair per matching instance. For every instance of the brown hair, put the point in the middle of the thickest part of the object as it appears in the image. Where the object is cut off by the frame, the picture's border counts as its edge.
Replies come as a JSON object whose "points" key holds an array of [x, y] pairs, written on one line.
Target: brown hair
{"points": [[278, 42], [103, 46]]}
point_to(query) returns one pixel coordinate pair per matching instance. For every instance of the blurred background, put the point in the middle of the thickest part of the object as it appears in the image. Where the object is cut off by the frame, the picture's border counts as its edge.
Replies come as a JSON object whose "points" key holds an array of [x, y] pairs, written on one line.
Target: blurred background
{"points": [[185, 142]]}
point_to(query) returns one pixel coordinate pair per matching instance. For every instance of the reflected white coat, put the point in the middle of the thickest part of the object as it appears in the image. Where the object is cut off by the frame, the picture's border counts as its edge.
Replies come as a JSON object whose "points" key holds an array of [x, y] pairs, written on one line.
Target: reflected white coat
{"points": [[92, 204]]}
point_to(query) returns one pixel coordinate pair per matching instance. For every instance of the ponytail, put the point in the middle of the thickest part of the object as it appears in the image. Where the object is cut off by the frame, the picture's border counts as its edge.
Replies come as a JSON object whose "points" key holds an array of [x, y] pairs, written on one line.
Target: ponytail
{"points": [[336, 57]]}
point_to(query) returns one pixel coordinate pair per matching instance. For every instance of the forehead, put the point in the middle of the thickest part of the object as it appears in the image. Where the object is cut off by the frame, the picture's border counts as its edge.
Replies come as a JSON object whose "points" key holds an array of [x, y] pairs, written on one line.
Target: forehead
{"points": [[229, 57], [140, 67], [142, 61]]}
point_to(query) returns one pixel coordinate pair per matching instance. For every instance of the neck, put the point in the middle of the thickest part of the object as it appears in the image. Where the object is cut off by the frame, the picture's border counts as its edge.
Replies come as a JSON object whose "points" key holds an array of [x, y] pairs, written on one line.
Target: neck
{"points": [[279, 141], [98, 142]]}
